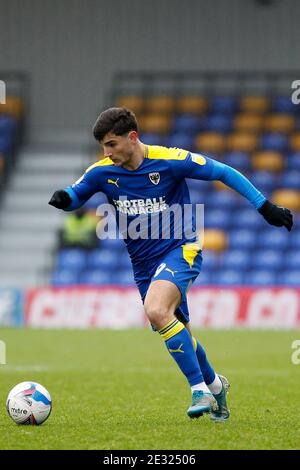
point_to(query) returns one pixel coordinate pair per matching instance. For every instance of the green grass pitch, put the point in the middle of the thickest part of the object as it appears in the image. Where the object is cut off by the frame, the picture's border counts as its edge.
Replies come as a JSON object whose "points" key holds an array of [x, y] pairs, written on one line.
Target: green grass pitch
{"points": [[121, 390]]}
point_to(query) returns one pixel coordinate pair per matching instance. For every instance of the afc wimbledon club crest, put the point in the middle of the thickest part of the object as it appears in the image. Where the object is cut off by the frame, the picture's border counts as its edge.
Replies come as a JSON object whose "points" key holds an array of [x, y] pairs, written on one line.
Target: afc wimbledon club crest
{"points": [[154, 177]]}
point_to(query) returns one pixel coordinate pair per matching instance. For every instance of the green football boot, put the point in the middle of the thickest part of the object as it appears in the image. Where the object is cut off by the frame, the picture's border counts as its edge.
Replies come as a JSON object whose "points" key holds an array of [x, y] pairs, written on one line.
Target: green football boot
{"points": [[201, 403], [222, 413]]}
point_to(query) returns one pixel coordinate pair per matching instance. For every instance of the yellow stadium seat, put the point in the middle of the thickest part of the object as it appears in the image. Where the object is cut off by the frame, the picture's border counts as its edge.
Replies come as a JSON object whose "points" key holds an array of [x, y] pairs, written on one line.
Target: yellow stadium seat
{"points": [[156, 123], [279, 123], [242, 142], [289, 198], [255, 104], [215, 240], [295, 142], [13, 106], [160, 104], [210, 142], [192, 105], [268, 160], [246, 122], [134, 103]]}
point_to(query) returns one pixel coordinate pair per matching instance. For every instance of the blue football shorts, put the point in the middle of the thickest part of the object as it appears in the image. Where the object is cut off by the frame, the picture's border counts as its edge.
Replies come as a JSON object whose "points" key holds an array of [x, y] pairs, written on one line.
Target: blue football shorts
{"points": [[180, 266]]}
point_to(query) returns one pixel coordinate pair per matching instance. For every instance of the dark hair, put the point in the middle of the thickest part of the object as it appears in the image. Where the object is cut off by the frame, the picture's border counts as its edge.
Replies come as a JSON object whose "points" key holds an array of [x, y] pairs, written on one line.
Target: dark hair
{"points": [[116, 120]]}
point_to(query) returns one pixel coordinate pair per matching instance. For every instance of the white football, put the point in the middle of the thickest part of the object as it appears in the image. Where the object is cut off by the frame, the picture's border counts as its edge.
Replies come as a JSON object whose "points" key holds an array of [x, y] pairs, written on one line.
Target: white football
{"points": [[29, 403]]}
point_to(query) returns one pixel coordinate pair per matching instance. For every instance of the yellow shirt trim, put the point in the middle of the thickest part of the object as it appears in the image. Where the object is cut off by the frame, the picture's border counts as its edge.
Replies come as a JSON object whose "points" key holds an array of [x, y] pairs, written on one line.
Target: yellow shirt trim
{"points": [[105, 162], [156, 152]]}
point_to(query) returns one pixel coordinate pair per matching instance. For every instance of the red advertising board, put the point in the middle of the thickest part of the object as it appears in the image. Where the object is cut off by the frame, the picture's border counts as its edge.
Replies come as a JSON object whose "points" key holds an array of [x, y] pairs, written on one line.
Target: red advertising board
{"points": [[115, 307]]}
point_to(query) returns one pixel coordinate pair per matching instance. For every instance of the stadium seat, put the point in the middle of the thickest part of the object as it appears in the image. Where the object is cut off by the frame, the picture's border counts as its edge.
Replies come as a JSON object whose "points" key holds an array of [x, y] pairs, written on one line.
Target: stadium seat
{"points": [[283, 104], [223, 200], [267, 259], [292, 260], [192, 105], [210, 142], [228, 277], [14, 106], [64, 277], [289, 198], [71, 258], [239, 160], [242, 239], [218, 123], [291, 179], [295, 142], [153, 138], [274, 141], [205, 278], [248, 123], [96, 277], [102, 259], [180, 140], [217, 218], [263, 180], [236, 259], [187, 123], [155, 124], [248, 219], [160, 104], [294, 238], [224, 104], [123, 277], [293, 162], [272, 238], [268, 160], [279, 122], [242, 142], [260, 278], [135, 103], [211, 260], [214, 240], [254, 104], [289, 278]]}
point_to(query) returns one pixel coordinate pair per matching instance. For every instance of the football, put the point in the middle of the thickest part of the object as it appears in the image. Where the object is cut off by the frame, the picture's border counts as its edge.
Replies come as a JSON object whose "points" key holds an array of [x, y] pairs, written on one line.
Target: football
{"points": [[29, 403]]}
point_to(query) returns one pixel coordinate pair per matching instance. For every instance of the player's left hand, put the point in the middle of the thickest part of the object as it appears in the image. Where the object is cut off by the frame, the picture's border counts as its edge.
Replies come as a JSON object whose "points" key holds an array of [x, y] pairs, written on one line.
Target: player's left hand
{"points": [[278, 216]]}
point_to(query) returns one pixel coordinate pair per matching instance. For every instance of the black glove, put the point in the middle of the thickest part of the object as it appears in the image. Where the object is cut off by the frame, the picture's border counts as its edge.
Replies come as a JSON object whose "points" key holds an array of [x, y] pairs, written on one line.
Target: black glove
{"points": [[60, 199], [278, 216]]}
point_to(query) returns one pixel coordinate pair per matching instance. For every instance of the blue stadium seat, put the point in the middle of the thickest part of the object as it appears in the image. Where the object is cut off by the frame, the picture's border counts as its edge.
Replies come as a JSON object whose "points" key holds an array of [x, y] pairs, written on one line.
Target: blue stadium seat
{"points": [[289, 278], [260, 278], [95, 277], [211, 260], [283, 104], [274, 141], [6, 143], [216, 218], [293, 161], [292, 260], [248, 219], [71, 258], [114, 244], [267, 259], [291, 179], [152, 139], [238, 160], [236, 259], [223, 200], [263, 180], [273, 238], [180, 140], [205, 278], [102, 259], [294, 238], [123, 277], [64, 277], [218, 123], [188, 124], [8, 125], [228, 277], [224, 104], [242, 239]]}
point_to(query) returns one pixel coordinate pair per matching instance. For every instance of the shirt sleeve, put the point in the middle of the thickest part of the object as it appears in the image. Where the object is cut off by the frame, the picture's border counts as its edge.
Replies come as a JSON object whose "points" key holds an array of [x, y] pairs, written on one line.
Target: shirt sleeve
{"points": [[200, 167], [83, 189]]}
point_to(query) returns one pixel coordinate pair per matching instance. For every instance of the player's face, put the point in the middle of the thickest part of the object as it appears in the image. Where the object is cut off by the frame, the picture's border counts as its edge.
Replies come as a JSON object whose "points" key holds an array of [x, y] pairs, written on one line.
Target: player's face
{"points": [[119, 148]]}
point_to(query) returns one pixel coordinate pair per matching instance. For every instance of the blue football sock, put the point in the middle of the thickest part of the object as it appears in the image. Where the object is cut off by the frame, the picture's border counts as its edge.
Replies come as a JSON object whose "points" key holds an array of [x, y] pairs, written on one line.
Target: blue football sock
{"points": [[180, 346], [206, 369]]}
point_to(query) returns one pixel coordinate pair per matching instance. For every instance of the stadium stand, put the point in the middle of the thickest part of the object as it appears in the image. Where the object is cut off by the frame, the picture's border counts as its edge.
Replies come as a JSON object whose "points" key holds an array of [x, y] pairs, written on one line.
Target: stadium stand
{"points": [[257, 133]]}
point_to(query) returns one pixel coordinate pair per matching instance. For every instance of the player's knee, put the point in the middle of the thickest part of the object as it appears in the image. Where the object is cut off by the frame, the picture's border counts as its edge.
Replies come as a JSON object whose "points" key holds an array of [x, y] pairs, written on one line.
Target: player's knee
{"points": [[158, 315]]}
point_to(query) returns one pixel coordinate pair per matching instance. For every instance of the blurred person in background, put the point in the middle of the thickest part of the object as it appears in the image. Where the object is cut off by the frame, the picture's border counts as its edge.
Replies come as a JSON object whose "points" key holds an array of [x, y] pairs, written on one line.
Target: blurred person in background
{"points": [[79, 230], [141, 179]]}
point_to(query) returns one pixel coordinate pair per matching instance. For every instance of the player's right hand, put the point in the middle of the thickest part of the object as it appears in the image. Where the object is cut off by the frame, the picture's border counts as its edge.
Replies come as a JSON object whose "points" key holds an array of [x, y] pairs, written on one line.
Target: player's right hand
{"points": [[60, 199], [278, 216]]}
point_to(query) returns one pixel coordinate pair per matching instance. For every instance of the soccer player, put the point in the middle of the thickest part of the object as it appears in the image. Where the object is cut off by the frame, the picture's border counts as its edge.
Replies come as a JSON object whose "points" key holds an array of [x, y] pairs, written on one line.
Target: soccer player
{"points": [[144, 181]]}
